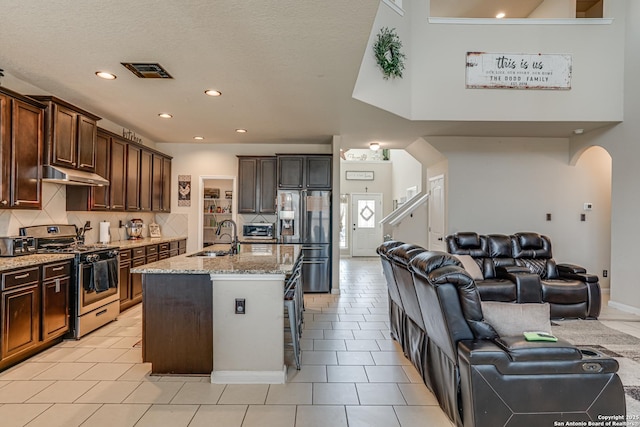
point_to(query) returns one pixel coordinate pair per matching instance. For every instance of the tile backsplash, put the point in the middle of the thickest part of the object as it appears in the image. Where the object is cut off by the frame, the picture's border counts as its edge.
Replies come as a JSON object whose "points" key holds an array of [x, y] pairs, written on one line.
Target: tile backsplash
{"points": [[54, 201]]}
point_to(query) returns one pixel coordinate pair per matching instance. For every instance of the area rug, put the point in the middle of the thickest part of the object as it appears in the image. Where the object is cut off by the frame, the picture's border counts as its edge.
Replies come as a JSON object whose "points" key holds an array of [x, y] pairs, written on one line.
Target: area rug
{"points": [[591, 334]]}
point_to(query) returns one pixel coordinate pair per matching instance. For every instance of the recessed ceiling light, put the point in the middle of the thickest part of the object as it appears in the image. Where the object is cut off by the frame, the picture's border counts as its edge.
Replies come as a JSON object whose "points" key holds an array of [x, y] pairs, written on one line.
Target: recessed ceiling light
{"points": [[578, 131], [105, 75], [165, 115], [198, 138], [213, 92], [241, 130], [374, 146], [501, 15]]}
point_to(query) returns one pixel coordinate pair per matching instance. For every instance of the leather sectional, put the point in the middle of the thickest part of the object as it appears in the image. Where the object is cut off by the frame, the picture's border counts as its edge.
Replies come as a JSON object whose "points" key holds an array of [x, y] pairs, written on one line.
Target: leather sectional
{"points": [[520, 268], [482, 379]]}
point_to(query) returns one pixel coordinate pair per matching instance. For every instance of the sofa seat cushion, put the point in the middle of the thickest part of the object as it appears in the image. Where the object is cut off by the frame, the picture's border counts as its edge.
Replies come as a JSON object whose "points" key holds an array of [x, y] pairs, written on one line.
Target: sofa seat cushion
{"points": [[564, 291], [496, 290]]}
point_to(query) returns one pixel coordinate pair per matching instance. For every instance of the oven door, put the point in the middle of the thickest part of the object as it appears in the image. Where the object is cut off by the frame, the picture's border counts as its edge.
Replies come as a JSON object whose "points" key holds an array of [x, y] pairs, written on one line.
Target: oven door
{"points": [[89, 299]]}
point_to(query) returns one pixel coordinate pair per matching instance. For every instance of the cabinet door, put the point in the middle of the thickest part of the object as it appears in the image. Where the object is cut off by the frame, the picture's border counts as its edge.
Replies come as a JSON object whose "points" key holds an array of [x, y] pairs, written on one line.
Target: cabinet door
{"points": [[133, 177], [146, 180], [290, 171], [20, 319], [247, 185], [26, 146], [267, 186], [118, 175], [157, 187], [136, 280], [100, 195], [55, 307], [125, 281], [166, 185], [87, 133], [5, 150], [318, 172], [64, 136]]}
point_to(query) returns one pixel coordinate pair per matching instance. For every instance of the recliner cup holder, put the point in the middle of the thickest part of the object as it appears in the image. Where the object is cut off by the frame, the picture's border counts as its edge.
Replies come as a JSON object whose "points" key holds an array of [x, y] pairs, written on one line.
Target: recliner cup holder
{"points": [[589, 352]]}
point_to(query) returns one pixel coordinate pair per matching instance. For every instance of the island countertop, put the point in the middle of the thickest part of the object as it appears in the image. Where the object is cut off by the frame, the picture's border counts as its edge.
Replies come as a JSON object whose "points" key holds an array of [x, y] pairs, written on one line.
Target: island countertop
{"points": [[252, 259]]}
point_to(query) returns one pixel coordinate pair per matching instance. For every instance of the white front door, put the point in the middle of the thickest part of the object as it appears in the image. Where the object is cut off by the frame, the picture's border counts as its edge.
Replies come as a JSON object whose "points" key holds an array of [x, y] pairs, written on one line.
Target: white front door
{"points": [[436, 214], [366, 213]]}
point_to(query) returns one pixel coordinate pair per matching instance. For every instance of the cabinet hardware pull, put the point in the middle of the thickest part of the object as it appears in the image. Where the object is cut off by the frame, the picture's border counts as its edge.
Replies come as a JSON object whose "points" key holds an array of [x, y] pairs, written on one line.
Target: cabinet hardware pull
{"points": [[4, 203], [57, 286], [22, 276], [100, 313], [17, 202], [58, 268]]}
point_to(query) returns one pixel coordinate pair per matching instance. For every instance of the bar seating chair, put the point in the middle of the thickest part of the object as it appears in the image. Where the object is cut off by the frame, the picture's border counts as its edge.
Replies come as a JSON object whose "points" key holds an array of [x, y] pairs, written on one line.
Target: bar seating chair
{"points": [[293, 309]]}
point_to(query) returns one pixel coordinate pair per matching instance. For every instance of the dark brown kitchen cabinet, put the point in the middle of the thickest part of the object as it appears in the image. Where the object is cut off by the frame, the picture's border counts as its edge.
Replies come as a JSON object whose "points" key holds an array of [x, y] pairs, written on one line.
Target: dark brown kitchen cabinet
{"points": [[304, 171], [21, 139], [70, 135], [161, 201], [111, 154], [257, 184], [20, 312], [146, 180], [125, 279], [133, 177], [56, 279]]}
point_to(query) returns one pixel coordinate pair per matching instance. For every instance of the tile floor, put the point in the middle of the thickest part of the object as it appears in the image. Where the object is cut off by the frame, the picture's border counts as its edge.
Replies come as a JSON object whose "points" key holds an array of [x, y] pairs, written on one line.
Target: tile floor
{"points": [[352, 375]]}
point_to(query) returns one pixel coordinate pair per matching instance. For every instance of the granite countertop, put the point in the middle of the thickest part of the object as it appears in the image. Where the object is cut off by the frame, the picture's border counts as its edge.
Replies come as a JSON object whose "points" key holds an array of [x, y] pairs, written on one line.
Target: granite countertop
{"points": [[128, 244], [252, 259], [10, 263]]}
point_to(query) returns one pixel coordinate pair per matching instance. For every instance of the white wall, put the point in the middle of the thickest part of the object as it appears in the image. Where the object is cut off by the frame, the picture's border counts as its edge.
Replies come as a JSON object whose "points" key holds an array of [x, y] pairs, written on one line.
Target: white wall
{"points": [[407, 173], [506, 185]]}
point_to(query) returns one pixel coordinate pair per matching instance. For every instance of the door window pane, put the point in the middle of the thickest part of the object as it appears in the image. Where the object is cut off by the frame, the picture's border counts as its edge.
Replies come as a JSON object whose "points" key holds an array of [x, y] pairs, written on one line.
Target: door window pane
{"points": [[366, 214]]}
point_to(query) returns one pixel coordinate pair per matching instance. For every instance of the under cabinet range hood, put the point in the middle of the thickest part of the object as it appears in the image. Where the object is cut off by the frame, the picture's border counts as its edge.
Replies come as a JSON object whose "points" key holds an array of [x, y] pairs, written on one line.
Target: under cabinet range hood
{"points": [[60, 175]]}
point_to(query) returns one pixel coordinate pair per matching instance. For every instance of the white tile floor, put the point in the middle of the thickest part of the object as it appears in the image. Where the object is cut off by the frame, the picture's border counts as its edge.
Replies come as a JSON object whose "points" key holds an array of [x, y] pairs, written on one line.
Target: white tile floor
{"points": [[352, 374]]}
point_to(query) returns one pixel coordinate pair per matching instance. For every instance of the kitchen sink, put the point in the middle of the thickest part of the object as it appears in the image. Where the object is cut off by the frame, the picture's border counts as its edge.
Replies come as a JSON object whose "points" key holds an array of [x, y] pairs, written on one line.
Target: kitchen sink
{"points": [[209, 254]]}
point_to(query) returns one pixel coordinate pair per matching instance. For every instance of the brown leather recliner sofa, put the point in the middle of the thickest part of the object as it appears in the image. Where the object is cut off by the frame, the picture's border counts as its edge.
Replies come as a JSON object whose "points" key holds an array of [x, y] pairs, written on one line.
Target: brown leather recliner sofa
{"points": [[484, 380], [520, 268]]}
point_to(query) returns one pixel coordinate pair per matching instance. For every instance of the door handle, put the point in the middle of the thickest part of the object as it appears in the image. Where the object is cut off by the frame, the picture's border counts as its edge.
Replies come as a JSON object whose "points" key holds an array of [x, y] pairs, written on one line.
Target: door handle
{"points": [[440, 238]]}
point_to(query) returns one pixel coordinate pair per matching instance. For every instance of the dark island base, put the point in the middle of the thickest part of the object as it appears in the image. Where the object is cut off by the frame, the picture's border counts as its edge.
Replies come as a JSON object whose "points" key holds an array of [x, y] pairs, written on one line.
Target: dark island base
{"points": [[177, 323]]}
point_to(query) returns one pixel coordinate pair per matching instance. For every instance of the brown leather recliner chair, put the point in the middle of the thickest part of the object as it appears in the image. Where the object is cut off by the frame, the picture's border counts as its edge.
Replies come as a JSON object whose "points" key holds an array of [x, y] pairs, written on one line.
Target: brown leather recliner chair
{"points": [[483, 380]]}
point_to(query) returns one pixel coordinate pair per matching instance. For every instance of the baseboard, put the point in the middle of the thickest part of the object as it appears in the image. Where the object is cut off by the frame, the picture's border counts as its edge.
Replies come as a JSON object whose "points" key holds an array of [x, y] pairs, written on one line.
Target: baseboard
{"points": [[624, 307], [249, 377]]}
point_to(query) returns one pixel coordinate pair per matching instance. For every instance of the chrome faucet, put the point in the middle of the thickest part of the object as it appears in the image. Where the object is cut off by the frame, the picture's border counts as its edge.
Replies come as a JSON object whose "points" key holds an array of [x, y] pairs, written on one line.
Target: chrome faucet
{"points": [[234, 241]]}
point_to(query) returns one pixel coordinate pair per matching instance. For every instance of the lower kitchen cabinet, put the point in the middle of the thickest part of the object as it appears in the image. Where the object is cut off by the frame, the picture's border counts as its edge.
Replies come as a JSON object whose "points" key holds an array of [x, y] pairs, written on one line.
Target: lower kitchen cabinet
{"points": [[56, 280], [20, 320]]}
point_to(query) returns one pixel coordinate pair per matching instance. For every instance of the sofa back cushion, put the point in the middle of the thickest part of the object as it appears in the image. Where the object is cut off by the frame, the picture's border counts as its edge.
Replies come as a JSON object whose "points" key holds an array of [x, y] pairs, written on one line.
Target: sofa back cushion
{"points": [[530, 245], [467, 243]]}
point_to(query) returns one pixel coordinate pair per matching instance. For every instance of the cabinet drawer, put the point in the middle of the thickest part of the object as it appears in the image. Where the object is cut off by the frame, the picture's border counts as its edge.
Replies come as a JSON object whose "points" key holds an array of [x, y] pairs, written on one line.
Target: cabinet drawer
{"points": [[163, 247], [163, 255], [182, 244], [173, 252], [125, 255], [152, 258], [20, 277], [152, 249], [173, 246], [138, 252], [61, 269], [138, 262]]}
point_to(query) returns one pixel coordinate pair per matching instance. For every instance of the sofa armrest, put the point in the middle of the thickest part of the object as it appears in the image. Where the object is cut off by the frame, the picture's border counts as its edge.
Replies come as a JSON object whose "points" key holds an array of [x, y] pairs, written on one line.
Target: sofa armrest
{"points": [[575, 272], [528, 286], [521, 350]]}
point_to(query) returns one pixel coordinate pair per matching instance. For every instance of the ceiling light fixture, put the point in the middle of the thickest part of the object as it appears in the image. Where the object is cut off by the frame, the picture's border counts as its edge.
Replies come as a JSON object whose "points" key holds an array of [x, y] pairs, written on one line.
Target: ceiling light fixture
{"points": [[198, 138], [241, 130], [212, 92], [374, 146], [105, 75], [501, 15], [578, 131], [165, 115]]}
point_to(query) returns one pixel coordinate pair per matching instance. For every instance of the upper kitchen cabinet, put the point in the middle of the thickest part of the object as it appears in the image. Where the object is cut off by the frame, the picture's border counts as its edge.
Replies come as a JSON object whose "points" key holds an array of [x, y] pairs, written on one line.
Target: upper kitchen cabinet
{"points": [[304, 171], [134, 153], [21, 139], [161, 201], [146, 180], [257, 184], [70, 135]]}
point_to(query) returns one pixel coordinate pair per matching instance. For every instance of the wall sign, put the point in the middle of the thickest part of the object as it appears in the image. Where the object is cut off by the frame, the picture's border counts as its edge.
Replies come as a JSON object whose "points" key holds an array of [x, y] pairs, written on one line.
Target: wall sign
{"points": [[518, 71], [359, 175]]}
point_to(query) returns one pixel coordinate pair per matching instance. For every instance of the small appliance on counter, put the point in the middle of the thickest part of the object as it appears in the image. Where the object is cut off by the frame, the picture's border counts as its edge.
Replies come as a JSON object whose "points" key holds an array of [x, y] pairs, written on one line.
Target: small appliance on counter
{"points": [[134, 228], [259, 231], [17, 245]]}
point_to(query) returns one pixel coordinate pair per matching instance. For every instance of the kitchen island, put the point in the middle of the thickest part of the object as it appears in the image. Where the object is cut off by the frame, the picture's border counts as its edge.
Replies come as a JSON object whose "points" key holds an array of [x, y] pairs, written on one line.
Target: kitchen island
{"points": [[221, 315]]}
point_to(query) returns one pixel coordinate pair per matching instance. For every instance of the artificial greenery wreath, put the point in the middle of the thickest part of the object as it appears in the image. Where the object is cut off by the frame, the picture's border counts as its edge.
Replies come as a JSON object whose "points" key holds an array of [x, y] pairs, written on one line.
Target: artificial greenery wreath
{"points": [[387, 51]]}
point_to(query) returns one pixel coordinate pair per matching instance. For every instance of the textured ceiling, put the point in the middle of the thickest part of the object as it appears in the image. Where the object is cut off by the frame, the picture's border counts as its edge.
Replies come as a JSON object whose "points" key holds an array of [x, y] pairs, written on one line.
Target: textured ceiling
{"points": [[286, 69]]}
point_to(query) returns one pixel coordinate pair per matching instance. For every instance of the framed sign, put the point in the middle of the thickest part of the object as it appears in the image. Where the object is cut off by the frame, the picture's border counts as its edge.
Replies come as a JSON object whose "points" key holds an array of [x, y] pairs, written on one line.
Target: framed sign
{"points": [[518, 71], [154, 230], [359, 175]]}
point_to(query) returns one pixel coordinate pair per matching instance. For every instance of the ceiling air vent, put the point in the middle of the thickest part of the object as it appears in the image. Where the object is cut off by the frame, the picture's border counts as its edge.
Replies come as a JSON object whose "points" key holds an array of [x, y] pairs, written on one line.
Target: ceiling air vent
{"points": [[147, 70]]}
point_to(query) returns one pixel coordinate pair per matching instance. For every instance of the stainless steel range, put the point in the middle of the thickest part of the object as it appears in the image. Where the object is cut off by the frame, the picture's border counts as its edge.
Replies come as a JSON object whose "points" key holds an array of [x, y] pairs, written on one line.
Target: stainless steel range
{"points": [[95, 294]]}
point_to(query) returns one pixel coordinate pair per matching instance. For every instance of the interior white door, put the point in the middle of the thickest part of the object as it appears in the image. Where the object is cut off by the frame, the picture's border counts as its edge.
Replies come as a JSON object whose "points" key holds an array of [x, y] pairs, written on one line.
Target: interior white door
{"points": [[366, 213], [436, 214]]}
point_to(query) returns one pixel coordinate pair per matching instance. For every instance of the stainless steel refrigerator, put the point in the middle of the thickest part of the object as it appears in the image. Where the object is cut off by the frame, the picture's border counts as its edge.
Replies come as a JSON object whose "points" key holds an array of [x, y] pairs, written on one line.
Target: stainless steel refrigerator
{"points": [[304, 217]]}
